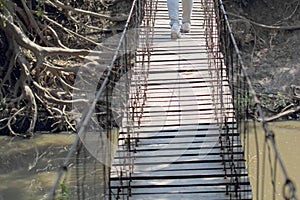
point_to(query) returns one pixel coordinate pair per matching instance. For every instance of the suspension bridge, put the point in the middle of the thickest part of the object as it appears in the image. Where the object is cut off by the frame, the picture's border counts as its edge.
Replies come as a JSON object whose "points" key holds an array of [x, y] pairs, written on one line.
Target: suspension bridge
{"points": [[172, 117]]}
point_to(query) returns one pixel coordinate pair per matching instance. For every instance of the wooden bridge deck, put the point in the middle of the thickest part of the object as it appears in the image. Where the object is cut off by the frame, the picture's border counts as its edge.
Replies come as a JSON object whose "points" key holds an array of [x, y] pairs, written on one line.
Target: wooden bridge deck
{"points": [[178, 153]]}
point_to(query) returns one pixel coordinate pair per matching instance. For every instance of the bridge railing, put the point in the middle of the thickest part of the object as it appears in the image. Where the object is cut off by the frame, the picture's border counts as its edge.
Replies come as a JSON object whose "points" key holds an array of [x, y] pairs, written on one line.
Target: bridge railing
{"points": [[269, 175], [231, 149], [110, 101]]}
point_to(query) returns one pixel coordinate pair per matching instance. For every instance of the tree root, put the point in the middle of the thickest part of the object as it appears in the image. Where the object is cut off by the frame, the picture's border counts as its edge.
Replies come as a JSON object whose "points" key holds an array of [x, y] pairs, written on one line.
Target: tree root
{"points": [[287, 28], [66, 7], [282, 114], [37, 82], [296, 95]]}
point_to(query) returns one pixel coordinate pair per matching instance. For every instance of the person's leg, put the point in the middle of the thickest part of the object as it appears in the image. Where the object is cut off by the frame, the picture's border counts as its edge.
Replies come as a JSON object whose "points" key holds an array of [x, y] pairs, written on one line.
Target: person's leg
{"points": [[187, 6], [173, 9]]}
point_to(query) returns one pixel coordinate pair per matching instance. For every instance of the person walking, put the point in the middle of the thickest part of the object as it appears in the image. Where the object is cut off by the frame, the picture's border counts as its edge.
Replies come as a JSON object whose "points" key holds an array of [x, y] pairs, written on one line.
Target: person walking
{"points": [[173, 9]]}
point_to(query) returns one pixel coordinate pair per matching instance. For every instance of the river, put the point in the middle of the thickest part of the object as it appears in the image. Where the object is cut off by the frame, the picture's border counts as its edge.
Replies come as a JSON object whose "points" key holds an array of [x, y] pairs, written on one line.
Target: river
{"points": [[29, 166], [287, 137]]}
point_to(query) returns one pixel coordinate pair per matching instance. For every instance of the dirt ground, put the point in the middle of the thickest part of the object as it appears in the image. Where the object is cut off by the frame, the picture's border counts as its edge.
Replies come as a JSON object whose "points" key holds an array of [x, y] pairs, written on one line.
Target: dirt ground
{"points": [[268, 35]]}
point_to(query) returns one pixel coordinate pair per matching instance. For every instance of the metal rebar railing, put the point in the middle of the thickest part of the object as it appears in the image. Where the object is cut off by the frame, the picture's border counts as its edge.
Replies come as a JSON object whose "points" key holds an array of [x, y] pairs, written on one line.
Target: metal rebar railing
{"points": [[113, 83], [269, 175]]}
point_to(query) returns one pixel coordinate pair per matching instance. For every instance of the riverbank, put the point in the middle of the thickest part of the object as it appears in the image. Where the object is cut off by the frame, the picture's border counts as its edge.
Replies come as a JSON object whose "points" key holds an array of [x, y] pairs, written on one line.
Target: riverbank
{"points": [[267, 33]]}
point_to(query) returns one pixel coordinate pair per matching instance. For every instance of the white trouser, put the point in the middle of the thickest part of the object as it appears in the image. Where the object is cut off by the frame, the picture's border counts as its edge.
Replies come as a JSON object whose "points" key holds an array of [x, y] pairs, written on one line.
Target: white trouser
{"points": [[173, 8]]}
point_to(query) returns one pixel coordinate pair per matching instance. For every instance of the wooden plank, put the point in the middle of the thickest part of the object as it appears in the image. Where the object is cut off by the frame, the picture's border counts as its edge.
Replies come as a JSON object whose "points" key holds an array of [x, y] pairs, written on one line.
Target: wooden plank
{"points": [[178, 190], [188, 196], [204, 146], [183, 120], [180, 122], [198, 97], [178, 196], [185, 77], [184, 182], [182, 129], [164, 156], [163, 52], [164, 23], [163, 47]]}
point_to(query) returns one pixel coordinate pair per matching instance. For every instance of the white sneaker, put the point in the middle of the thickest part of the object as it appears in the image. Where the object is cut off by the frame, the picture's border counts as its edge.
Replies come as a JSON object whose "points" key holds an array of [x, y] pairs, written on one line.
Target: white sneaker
{"points": [[186, 27], [175, 31]]}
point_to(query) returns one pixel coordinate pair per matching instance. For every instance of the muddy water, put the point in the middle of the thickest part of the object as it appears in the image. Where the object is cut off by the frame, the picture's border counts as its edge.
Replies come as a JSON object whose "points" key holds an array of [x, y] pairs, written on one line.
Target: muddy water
{"points": [[287, 137], [29, 166]]}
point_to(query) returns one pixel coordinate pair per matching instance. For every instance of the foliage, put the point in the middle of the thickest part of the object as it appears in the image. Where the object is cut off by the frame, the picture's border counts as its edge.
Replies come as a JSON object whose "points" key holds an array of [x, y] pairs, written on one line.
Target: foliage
{"points": [[63, 193], [2, 3]]}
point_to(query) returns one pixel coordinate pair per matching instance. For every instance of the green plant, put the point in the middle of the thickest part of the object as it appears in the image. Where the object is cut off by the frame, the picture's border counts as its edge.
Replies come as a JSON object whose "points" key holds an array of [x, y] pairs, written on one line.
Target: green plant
{"points": [[2, 4], [40, 8], [63, 192], [282, 99]]}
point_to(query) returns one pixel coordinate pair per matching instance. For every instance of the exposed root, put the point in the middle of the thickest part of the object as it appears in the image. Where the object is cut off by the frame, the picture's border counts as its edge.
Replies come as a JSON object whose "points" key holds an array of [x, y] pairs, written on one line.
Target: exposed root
{"points": [[287, 28], [285, 113], [43, 45]]}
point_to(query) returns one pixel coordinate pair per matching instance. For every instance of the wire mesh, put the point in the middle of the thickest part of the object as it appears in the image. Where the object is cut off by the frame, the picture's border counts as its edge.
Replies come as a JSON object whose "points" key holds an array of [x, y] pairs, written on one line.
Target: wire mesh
{"points": [[269, 174], [113, 82], [120, 183]]}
